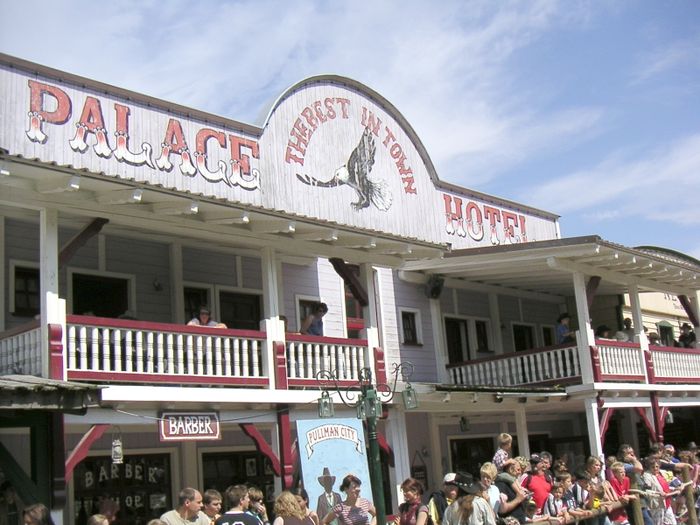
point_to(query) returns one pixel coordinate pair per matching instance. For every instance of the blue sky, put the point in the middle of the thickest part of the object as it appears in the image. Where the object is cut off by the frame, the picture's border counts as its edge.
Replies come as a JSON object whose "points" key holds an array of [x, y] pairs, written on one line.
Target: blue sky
{"points": [[587, 109]]}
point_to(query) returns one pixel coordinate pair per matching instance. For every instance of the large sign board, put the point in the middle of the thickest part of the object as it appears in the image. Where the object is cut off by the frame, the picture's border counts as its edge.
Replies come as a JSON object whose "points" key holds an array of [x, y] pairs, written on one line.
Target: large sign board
{"points": [[330, 449], [331, 150]]}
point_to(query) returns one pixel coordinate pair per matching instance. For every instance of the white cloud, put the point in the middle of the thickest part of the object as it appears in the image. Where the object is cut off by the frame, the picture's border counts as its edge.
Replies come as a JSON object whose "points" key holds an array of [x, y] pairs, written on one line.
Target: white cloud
{"points": [[659, 185], [672, 56]]}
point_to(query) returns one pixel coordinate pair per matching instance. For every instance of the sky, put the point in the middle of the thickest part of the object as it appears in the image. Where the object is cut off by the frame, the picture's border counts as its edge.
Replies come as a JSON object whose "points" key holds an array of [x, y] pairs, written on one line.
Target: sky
{"points": [[587, 109]]}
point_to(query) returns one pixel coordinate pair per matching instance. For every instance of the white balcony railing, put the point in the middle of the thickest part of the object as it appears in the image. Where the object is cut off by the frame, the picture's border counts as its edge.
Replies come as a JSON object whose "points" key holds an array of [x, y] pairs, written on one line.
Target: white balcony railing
{"points": [[675, 365], [115, 350], [20, 350], [309, 355], [620, 361], [549, 365]]}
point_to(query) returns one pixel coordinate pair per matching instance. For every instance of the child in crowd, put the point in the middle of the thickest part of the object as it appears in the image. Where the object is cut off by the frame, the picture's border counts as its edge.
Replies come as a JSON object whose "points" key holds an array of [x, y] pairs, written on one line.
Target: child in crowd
{"points": [[555, 506], [505, 443], [576, 510]]}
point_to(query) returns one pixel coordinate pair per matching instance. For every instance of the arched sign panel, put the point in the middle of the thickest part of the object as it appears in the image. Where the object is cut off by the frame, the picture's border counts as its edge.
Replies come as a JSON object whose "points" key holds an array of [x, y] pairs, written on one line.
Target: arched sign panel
{"points": [[337, 155]]}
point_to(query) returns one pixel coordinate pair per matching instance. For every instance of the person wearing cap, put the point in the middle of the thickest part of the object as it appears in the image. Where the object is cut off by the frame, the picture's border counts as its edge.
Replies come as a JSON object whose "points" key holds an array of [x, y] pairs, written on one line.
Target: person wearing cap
{"points": [[687, 337], [473, 508], [563, 332], [441, 499], [329, 498], [538, 482], [204, 319]]}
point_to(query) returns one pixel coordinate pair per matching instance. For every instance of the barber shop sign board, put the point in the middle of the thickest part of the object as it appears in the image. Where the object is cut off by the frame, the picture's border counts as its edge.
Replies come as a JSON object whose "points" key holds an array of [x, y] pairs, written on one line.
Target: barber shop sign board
{"points": [[330, 449]]}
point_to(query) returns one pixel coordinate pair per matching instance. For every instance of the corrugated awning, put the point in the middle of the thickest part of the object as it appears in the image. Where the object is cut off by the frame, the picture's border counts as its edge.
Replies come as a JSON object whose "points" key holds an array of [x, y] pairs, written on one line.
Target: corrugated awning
{"points": [[24, 392]]}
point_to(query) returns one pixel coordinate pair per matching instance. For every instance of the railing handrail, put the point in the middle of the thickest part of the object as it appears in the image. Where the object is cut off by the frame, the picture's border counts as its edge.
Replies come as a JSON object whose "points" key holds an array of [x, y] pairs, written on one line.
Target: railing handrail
{"points": [[24, 327], [509, 355], [322, 339], [130, 324], [675, 349], [615, 342]]}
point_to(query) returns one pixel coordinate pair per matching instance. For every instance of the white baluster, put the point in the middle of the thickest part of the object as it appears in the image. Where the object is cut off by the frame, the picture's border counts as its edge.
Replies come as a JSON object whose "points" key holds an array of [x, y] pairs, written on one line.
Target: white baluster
{"points": [[245, 365], [227, 357], [150, 352]]}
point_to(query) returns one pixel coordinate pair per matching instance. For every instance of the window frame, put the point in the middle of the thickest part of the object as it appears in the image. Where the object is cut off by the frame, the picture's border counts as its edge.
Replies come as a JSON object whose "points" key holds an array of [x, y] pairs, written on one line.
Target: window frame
{"points": [[298, 299], [418, 322], [533, 328], [128, 277], [12, 285]]}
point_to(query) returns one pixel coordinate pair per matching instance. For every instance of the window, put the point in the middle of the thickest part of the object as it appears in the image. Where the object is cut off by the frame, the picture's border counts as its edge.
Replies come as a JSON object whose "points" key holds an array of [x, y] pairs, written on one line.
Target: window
{"points": [[305, 307], [411, 333], [355, 321], [482, 332], [194, 298], [547, 335], [456, 337], [100, 295], [240, 310], [466, 338], [27, 299], [523, 337]]}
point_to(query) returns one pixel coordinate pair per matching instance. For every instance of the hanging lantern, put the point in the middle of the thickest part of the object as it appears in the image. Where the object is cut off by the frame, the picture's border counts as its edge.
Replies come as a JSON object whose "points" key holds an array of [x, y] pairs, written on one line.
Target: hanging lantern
{"points": [[117, 450]]}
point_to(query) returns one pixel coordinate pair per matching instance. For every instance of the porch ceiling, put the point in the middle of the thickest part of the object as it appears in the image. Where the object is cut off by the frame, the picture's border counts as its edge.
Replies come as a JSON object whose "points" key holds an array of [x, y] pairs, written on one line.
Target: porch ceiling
{"points": [[547, 267], [23, 392], [138, 210]]}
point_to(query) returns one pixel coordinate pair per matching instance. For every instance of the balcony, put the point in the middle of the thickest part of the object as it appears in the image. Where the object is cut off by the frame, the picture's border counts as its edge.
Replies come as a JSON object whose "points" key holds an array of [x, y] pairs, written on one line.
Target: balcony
{"points": [[114, 351], [612, 361]]}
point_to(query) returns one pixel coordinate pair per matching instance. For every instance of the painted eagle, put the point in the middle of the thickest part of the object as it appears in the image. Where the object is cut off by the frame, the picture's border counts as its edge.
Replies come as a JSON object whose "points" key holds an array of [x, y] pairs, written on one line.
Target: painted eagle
{"points": [[355, 173]]}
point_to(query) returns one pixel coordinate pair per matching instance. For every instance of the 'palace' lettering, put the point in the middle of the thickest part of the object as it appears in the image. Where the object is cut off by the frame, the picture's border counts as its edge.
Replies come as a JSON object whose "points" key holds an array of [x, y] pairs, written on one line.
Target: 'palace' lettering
{"points": [[51, 105]]}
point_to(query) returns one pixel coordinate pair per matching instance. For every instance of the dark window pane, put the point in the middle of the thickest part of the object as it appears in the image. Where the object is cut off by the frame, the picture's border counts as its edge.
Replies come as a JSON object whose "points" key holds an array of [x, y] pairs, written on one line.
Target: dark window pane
{"points": [[410, 332]]}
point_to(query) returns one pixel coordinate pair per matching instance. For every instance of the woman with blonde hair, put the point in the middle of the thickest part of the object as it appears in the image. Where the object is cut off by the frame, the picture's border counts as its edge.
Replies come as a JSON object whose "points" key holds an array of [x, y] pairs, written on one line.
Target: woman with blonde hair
{"points": [[37, 514], [288, 510]]}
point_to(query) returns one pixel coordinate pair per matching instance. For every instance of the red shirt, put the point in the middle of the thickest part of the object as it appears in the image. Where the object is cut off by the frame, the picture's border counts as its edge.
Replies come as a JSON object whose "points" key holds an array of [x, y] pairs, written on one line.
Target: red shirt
{"points": [[539, 486], [621, 488]]}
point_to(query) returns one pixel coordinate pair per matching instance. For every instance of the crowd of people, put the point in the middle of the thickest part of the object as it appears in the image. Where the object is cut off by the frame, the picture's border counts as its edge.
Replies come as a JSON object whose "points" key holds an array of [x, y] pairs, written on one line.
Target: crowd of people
{"points": [[517, 490]]}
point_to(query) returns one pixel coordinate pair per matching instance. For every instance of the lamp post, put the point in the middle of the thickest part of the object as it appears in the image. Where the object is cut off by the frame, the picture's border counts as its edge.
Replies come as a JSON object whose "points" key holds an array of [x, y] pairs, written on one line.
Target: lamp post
{"points": [[367, 399]]}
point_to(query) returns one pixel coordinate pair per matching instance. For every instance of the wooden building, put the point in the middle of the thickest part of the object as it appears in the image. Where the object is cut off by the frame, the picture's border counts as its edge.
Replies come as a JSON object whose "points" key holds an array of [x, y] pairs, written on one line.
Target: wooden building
{"points": [[121, 214]]}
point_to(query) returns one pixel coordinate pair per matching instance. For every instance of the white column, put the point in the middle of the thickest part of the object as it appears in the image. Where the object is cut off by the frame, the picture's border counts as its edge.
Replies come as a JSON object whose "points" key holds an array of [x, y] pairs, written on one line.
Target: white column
{"points": [[440, 463], [522, 432], [441, 356], [694, 298], [370, 312], [2, 274], [177, 294], [51, 309], [398, 439], [593, 424], [272, 325], [495, 315], [585, 337], [638, 324]]}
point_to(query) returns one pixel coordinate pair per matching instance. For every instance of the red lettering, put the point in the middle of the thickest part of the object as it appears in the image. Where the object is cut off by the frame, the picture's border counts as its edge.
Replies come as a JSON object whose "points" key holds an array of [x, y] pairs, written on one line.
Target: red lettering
{"points": [[389, 136], [509, 223], [175, 137], [92, 117], [475, 221], [453, 213], [344, 103], [523, 231], [204, 134], [61, 114], [328, 102], [318, 112], [237, 146], [370, 120], [308, 113], [493, 215]]}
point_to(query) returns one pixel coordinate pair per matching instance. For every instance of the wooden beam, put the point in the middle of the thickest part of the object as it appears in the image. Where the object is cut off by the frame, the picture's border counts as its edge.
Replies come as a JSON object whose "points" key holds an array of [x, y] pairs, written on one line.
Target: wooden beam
{"points": [[689, 311], [250, 430], [591, 289], [82, 448], [79, 240], [351, 280]]}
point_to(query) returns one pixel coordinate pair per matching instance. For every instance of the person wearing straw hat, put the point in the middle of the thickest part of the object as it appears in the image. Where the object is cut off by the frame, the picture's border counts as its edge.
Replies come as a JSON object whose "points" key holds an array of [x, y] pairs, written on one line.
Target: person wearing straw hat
{"points": [[328, 499]]}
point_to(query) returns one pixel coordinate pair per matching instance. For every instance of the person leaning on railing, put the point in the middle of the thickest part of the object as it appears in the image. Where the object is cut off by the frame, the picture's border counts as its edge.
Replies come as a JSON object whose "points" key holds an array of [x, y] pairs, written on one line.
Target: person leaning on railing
{"points": [[204, 319]]}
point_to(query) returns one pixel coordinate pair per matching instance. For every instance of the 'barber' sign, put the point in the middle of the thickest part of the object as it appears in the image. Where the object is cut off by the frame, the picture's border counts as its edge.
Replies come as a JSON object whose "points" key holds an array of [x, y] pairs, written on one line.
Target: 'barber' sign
{"points": [[189, 426]]}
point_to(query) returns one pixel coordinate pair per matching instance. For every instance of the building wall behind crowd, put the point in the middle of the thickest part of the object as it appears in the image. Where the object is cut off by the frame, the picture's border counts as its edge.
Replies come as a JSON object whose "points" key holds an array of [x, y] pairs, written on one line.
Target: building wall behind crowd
{"points": [[412, 296]]}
